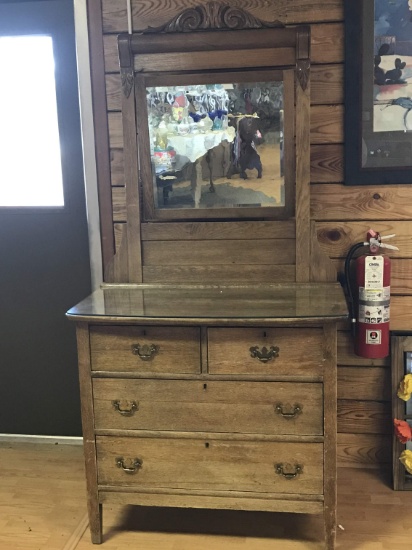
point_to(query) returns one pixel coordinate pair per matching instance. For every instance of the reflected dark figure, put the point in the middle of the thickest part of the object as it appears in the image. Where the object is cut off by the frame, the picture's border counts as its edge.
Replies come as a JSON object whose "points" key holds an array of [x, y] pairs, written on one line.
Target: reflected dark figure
{"points": [[249, 157]]}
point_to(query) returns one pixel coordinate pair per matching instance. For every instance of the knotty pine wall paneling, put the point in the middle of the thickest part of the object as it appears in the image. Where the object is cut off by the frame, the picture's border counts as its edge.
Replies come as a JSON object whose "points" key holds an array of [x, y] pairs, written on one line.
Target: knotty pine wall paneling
{"points": [[342, 215]]}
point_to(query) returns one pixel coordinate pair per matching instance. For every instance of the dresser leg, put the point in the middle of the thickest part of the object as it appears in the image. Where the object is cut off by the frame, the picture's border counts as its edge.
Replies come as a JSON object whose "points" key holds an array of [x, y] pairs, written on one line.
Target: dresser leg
{"points": [[330, 528], [95, 522]]}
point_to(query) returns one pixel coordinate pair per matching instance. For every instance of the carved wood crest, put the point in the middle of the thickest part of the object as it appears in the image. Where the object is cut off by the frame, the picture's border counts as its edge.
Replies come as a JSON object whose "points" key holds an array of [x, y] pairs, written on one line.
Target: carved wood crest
{"points": [[213, 16]]}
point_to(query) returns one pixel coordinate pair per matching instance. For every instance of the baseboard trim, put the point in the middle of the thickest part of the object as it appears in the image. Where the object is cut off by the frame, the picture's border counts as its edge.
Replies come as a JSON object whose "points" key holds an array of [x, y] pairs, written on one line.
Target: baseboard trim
{"points": [[50, 439]]}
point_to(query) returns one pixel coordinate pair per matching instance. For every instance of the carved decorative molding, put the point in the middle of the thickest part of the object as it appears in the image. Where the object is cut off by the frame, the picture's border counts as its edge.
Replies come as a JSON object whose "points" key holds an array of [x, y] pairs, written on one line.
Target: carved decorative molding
{"points": [[126, 63], [213, 16], [303, 70], [127, 76]]}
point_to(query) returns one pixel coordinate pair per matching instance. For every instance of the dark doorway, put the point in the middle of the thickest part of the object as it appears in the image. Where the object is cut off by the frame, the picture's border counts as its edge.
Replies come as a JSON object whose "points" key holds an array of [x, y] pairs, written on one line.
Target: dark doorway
{"points": [[44, 266]]}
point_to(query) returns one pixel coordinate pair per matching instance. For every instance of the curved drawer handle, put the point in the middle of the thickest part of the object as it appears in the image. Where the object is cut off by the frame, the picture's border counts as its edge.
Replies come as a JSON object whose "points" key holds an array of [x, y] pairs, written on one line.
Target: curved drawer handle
{"points": [[266, 354], [288, 474], [137, 463], [133, 407], [145, 352], [297, 409]]}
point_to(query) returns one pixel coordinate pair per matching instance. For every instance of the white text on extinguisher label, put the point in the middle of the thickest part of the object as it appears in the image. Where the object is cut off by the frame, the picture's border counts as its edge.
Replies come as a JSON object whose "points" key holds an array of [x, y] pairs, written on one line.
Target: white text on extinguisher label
{"points": [[373, 337], [375, 314], [373, 272]]}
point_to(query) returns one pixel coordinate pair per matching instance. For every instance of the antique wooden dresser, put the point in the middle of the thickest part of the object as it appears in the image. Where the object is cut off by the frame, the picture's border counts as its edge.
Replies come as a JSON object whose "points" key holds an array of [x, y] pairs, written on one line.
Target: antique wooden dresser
{"points": [[210, 397], [208, 358]]}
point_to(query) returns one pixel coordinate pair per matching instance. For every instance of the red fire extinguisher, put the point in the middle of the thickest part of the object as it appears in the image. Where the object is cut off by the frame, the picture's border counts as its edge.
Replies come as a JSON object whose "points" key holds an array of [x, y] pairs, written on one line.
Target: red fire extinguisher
{"points": [[370, 311]]}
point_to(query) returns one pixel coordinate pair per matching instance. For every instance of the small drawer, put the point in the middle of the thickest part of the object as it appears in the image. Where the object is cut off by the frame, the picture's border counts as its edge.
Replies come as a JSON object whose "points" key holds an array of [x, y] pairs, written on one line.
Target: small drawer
{"points": [[145, 349], [198, 406], [266, 351], [212, 465]]}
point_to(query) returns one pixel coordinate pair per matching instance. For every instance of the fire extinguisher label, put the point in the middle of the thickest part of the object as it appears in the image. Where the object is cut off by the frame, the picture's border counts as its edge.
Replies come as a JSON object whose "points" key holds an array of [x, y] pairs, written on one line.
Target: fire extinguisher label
{"points": [[375, 295], [374, 272], [373, 337], [375, 314]]}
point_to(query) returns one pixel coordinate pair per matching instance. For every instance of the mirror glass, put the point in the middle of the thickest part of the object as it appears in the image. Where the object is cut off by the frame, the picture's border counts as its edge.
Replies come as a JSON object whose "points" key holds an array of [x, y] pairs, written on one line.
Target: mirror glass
{"points": [[217, 145]]}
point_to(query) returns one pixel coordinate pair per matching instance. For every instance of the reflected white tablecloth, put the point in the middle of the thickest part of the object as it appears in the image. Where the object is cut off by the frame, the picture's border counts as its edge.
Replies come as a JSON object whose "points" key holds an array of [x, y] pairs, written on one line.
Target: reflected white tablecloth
{"points": [[194, 146]]}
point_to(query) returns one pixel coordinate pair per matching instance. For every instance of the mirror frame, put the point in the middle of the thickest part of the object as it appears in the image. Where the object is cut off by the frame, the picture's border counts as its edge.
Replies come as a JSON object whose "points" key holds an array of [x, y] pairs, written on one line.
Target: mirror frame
{"points": [[196, 47], [214, 38]]}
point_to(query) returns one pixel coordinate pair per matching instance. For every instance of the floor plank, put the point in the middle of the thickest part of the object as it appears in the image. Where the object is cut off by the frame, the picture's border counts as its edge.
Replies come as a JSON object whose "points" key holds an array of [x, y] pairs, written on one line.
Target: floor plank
{"points": [[43, 507], [42, 495]]}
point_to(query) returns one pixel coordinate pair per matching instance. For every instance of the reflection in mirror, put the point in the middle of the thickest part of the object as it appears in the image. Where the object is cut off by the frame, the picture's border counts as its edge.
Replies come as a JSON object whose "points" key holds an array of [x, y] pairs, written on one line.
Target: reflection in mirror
{"points": [[217, 145]]}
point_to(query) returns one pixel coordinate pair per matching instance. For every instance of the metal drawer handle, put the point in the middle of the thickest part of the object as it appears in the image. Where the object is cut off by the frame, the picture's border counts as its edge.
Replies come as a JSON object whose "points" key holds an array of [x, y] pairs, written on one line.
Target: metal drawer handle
{"points": [[266, 354], [133, 407], [297, 409], [136, 465], [145, 352], [287, 472]]}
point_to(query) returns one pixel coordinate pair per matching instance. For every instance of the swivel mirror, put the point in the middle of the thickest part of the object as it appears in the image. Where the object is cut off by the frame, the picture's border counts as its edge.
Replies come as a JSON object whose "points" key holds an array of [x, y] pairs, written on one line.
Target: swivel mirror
{"points": [[217, 142], [214, 115]]}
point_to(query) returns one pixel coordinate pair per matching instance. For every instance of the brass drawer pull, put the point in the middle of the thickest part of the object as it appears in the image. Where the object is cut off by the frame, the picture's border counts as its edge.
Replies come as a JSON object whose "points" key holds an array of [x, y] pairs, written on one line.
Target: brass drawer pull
{"points": [[133, 407], [136, 465], [145, 352], [287, 472], [297, 409], [266, 354]]}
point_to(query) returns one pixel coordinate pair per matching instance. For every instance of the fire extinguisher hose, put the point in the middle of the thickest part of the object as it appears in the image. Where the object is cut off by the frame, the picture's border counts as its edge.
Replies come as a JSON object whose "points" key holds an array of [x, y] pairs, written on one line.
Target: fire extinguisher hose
{"points": [[349, 293]]}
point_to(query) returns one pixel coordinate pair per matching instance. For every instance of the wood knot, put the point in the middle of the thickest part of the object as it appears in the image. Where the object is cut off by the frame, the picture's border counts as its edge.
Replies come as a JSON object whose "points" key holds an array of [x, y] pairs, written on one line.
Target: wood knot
{"points": [[376, 196], [334, 235]]}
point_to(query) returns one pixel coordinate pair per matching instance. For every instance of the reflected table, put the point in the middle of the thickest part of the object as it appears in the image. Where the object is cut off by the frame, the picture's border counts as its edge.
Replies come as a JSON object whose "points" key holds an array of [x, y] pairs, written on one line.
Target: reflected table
{"points": [[193, 148]]}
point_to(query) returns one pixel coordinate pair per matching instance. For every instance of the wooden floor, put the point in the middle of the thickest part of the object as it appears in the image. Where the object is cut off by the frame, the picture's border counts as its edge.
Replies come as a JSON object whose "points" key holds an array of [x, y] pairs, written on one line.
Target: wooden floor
{"points": [[43, 507]]}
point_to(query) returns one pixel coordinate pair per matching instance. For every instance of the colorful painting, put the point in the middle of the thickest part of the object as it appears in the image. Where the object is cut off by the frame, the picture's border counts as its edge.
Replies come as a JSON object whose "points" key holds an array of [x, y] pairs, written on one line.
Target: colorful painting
{"points": [[392, 66]]}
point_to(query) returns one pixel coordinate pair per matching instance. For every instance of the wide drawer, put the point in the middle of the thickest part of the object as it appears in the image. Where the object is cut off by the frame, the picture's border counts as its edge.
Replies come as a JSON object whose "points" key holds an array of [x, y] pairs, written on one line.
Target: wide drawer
{"points": [[196, 406], [268, 351], [145, 349], [221, 465]]}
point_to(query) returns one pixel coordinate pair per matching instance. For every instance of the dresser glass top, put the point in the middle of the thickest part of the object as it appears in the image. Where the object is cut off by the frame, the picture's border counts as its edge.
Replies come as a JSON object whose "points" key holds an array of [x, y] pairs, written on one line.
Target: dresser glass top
{"points": [[283, 301]]}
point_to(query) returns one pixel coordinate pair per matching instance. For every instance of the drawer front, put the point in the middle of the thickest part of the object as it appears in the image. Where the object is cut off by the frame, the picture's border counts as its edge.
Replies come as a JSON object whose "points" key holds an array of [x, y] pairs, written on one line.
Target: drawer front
{"points": [[259, 466], [145, 349], [280, 351], [196, 406]]}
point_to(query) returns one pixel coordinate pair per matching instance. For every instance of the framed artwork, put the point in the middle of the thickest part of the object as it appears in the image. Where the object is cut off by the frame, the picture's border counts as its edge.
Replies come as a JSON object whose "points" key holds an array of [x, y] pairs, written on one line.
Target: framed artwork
{"points": [[401, 366], [378, 92]]}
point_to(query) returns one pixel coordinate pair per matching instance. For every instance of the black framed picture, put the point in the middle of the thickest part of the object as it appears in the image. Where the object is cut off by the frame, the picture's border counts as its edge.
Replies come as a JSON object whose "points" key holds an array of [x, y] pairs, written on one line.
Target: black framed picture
{"points": [[378, 92]]}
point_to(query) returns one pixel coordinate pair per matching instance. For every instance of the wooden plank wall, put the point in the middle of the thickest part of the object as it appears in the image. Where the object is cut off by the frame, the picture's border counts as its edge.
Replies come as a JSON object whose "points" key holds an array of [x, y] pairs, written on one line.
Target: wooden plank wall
{"points": [[342, 215]]}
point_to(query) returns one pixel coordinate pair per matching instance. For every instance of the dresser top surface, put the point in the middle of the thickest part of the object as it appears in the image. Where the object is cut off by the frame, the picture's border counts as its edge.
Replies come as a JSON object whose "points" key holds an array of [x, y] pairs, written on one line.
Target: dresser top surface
{"points": [[323, 301]]}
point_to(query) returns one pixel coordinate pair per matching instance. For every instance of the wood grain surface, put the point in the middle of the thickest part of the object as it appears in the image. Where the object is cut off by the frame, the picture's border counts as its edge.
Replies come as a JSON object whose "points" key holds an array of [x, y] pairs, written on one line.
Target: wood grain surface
{"points": [[42, 505], [150, 13], [198, 406]]}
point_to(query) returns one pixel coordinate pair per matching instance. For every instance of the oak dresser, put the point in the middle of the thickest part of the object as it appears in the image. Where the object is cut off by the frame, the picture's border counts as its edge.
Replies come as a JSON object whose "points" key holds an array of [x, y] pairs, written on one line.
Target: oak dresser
{"points": [[210, 397]]}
